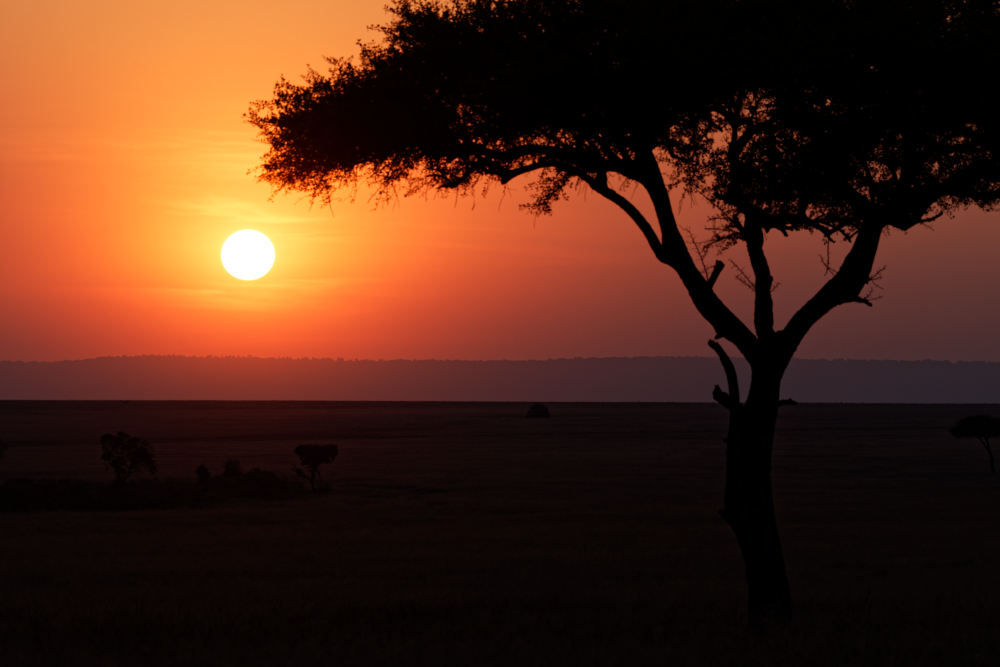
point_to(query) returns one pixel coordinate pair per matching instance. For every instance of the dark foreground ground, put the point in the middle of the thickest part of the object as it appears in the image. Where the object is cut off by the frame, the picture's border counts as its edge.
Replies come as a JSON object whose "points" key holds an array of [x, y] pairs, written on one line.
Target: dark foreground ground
{"points": [[464, 534]]}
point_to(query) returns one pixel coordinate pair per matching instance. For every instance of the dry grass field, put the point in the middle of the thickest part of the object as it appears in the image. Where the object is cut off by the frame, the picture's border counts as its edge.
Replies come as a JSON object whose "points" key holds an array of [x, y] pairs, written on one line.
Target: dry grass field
{"points": [[465, 534]]}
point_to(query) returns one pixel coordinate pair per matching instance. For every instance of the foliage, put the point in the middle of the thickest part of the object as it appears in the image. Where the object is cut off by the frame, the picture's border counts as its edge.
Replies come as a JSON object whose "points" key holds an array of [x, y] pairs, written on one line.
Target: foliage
{"points": [[976, 426], [125, 455], [312, 457], [980, 427], [3, 448], [232, 468], [807, 115]]}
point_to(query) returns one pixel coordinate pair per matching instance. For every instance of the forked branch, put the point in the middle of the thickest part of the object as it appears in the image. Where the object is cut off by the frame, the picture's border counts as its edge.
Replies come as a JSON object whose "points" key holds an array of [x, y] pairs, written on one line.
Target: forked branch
{"points": [[843, 287], [675, 253], [731, 399]]}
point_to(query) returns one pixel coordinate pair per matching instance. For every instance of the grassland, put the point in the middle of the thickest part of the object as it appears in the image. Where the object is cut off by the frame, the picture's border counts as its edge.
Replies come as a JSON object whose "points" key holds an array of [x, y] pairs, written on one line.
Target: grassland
{"points": [[464, 534]]}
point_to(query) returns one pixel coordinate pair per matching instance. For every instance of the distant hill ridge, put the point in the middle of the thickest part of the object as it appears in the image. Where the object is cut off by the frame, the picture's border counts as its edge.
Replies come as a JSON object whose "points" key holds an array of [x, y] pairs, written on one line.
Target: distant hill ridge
{"points": [[672, 379]]}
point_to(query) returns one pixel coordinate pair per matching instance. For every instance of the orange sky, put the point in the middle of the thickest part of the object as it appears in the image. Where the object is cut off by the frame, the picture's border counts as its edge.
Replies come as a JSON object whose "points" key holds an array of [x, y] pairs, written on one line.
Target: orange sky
{"points": [[123, 168]]}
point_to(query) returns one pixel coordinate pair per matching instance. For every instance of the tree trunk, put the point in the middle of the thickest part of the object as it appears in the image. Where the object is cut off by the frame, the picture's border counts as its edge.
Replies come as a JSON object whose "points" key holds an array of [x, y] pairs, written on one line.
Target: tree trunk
{"points": [[749, 502]]}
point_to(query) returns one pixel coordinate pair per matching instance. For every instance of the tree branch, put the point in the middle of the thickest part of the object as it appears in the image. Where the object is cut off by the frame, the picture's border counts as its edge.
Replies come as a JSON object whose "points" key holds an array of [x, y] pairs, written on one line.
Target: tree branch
{"points": [[731, 399], [599, 184], [763, 306], [593, 173], [716, 270], [675, 254], [843, 287], [669, 247], [510, 162], [507, 175]]}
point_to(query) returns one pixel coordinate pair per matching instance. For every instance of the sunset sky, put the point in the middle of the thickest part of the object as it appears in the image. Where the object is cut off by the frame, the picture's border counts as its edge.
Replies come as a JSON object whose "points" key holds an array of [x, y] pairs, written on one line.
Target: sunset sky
{"points": [[124, 162]]}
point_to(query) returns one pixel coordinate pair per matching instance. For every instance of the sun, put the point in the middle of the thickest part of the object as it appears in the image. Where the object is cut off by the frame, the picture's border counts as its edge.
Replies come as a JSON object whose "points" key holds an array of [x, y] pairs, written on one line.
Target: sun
{"points": [[247, 254]]}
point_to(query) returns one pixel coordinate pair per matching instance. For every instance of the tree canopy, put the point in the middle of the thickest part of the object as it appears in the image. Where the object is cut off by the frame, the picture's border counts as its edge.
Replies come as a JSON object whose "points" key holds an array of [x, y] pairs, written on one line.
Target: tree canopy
{"points": [[832, 116], [976, 426], [753, 103]]}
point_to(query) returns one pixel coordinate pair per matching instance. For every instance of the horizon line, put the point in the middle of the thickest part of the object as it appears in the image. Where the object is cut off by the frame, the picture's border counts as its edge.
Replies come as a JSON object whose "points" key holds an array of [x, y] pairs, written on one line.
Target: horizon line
{"points": [[252, 357]]}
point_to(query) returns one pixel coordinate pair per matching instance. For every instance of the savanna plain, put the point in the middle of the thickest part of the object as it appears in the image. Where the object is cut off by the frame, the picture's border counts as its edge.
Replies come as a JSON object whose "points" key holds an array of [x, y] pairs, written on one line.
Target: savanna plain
{"points": [[466, 534]]}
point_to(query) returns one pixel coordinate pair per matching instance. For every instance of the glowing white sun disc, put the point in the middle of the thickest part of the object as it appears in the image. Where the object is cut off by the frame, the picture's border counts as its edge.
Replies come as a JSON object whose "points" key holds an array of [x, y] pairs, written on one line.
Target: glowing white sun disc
{"points": [[247, 254]]}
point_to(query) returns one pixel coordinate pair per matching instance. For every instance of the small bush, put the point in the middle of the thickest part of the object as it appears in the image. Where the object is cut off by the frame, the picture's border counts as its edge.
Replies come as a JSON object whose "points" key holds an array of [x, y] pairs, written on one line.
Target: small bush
{"points": [[538, 411], [232, 468]]}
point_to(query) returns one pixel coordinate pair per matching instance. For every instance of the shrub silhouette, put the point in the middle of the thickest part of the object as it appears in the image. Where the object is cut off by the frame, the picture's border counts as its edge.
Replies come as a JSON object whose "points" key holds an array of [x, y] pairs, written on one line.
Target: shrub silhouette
{"points": [[232, 468], [312, 457], [125, 454], [3, 448], [980, 427], [203, 474], [538, 411]]}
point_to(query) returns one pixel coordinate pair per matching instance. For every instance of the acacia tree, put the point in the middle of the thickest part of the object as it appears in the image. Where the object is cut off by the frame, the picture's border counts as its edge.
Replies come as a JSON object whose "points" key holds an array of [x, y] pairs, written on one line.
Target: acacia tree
{"points": [[980, 427], [831, 117], [312, 457]]}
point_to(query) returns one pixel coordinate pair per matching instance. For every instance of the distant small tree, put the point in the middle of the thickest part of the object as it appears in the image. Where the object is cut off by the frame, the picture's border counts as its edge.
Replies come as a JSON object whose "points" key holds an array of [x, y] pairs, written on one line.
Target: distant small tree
{"points": [[312, 457], [125, 454], [232, 468], [980, 427], [202, 473]]}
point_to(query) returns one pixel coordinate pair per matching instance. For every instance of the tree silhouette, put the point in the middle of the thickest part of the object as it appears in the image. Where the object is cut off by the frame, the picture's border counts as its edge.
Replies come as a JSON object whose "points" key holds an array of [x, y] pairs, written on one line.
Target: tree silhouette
{"points": [[837, 118], [312, 457], [126, 454], [980, 427]]}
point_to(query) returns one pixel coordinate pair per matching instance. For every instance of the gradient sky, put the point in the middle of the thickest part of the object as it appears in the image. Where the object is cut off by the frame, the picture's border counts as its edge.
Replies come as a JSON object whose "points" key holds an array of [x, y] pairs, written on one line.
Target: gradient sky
{"points": [[123, 168]]}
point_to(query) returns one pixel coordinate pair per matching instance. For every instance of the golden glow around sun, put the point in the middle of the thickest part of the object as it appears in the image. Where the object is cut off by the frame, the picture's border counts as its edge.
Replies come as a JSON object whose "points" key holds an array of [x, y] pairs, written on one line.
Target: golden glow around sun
{"points": [[247, 254]]}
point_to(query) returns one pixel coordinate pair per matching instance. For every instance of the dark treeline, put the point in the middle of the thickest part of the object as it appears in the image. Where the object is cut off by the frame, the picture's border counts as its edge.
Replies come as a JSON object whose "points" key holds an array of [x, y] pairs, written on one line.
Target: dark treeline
{"points": [[673, 379]]}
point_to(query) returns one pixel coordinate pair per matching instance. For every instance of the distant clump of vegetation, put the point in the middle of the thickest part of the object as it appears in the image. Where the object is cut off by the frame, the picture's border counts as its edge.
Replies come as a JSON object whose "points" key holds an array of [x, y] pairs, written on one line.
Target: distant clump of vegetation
{"points": [[538, 411], [232, 468], [203, 474], [3, 448], [126, 454], [312, 457], [980, 427]]}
